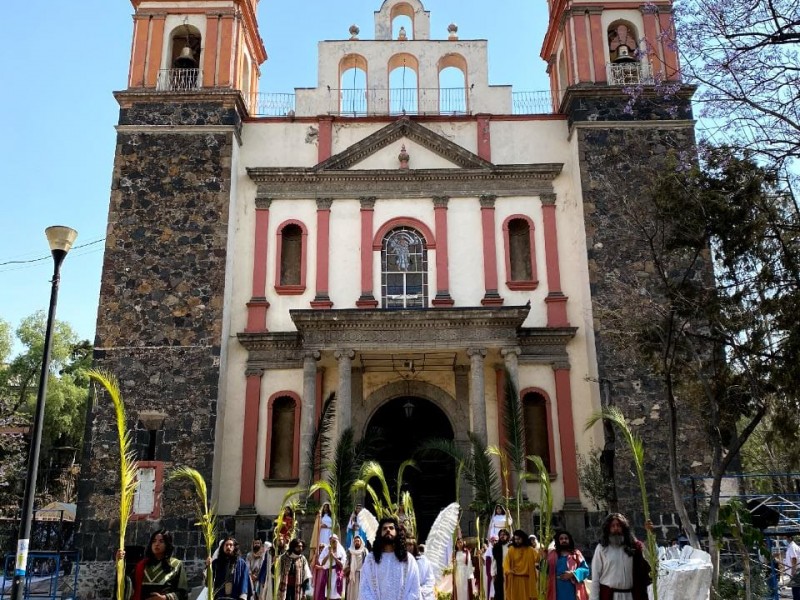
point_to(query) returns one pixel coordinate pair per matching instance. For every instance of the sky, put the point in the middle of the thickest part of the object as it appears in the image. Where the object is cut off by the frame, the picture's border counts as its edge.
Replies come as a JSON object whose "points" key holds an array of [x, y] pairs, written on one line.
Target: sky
{"points": [[60, 63]]}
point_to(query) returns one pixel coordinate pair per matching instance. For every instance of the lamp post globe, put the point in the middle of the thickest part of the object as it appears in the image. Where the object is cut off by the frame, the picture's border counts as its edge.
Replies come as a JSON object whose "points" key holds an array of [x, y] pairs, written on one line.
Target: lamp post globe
{"points": [[60, 239]]}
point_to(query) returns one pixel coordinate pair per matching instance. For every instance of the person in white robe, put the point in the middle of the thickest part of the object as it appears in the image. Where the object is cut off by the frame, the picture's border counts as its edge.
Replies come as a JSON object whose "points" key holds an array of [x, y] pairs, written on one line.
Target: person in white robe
{"points": [[464, 574], [500, 520], [427, 581], [334, 559], [389, 572], [619, 570], [355, 563]]}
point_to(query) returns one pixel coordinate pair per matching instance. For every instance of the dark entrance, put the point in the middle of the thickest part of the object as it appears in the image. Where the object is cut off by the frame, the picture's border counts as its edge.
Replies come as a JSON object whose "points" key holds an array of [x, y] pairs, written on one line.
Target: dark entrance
{"points": [[404, 424]]}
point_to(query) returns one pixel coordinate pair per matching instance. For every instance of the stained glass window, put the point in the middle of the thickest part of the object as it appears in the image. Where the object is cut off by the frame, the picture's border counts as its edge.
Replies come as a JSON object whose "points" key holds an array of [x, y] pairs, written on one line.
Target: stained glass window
{"points": [[404, 269]]}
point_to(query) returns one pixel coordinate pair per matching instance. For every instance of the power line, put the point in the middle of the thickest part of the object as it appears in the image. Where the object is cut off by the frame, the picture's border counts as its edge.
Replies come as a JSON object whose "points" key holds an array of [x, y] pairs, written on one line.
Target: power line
{"points": [[48, 256]]}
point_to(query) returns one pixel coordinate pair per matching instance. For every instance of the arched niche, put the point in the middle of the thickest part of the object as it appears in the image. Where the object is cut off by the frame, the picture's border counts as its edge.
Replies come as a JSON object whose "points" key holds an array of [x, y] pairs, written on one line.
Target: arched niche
{"points": [[183, 69], [453, 84], [403, 76], [353, 69], [411, 12], [623, 41]]}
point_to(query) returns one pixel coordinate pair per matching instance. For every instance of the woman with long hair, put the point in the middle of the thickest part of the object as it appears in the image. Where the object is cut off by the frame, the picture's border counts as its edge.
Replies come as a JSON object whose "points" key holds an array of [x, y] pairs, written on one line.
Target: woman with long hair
{"points": [[463, 571], [159, 576]]}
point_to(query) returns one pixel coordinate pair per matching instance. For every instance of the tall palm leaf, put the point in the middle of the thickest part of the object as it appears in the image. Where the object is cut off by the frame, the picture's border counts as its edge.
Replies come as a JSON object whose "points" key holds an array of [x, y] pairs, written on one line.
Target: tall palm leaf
{"points": [[206, 516], [407, 504], [542, 474], [614, 416], [515, 430], [127, 467], [369, 470], [400, 471], [289, 501], [505, 475], [320, 441], [484, 477], [342, 471]]}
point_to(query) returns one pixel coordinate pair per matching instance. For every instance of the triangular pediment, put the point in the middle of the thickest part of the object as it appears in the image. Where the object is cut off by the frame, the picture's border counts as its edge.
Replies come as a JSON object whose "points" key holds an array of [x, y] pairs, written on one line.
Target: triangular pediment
{"points": [[401, 129]]}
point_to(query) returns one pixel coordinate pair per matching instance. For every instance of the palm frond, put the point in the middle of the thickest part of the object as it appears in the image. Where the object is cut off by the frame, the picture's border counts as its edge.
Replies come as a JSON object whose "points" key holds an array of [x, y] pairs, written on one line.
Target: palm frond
{"points": [[614, 415], [515, 427], [372, 469], [402, 469], [546, 516], [128, 468], [320, 441], [407, 503], [362, 486], [342, 472], [485, 479], [206, 516]]}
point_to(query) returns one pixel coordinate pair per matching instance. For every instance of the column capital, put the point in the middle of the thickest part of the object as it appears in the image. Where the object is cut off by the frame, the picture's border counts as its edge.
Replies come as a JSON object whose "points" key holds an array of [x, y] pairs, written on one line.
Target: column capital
{"points": [[324, 203], [512, 351], [311, 354], [367, 202], [253, 371], [561, 365], [440, 201], [488, 200], [347, 353], [548, 199], [263, 202], [472, 352]]}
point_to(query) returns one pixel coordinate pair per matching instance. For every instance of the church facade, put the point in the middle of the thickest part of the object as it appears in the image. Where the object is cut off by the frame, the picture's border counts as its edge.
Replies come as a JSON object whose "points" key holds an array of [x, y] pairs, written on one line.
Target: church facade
{"points": [[407, 247]]}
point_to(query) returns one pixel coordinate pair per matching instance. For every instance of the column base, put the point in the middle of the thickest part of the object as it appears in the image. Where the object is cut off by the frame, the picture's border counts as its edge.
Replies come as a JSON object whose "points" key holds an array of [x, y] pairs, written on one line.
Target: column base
{"points": [[557, 310], [257, 315], [492, 298], [322, 302], [575, 520], [366, 302], [245, 526], [443, 300]]}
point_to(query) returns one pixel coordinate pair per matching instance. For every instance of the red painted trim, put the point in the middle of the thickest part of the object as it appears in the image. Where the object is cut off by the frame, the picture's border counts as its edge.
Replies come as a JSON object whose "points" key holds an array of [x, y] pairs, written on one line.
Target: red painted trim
{"points": [[154, 51], [295, 289], [323, 243], [652, 41], [484, 137], [252, 402], [597, 42], [156, 513], [225, 51], [325, 139], [256, 309], [489, 250], [424, 230], [556, 301], [442, 260], [502, 433], [367, 220], [568, 52], [532, 283], [257, 315], [210, 51], [581, 47], [566, 429], [671, 59], [141, 29], [551, 444], [297, 416]]}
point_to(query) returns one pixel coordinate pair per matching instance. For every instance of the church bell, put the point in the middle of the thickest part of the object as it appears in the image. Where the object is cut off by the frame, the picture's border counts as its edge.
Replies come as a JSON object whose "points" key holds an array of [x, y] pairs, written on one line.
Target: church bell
{"points": [[186, 59], [624, 55]]}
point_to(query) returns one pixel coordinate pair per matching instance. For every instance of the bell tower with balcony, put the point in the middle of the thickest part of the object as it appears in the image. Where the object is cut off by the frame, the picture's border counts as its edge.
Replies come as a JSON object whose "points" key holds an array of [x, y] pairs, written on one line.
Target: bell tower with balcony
{"points": [[614, 74], [160, 327]]}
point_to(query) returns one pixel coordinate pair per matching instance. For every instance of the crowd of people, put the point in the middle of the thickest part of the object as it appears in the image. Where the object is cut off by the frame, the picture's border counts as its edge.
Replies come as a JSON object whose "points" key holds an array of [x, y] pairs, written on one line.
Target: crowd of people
{"points": [[392, 566]]}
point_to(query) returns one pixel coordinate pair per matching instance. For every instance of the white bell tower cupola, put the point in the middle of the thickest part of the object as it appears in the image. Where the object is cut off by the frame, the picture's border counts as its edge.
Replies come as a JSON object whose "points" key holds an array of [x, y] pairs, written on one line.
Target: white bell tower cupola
{"points": [[413, 10]]}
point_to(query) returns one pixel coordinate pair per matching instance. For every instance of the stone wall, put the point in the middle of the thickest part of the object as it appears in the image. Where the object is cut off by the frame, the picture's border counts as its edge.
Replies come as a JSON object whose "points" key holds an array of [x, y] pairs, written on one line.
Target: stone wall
{"points": [[159, 322], [617, 165]]}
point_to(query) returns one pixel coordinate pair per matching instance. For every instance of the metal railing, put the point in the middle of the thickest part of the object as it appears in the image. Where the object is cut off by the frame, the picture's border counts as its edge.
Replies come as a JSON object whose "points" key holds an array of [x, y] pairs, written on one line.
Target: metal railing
{"points": [[632, 73], [179, 80], [360, 102]]}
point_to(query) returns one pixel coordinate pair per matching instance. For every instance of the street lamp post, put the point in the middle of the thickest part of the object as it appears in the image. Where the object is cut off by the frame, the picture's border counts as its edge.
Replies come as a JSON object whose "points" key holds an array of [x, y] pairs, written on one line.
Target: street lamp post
{"points": [[60, 240]]}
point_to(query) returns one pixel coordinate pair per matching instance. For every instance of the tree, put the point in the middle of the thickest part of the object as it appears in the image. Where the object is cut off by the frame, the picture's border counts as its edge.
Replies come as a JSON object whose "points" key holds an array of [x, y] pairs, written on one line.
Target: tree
{"points": [[722, 342], [65, 407], [743, 55]]}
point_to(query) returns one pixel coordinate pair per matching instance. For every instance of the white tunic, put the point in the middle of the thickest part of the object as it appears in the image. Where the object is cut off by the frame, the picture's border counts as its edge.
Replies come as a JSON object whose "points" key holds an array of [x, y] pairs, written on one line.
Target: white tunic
{"points": [[611, 567], [389, 579], [326, 561], [426, 581]]}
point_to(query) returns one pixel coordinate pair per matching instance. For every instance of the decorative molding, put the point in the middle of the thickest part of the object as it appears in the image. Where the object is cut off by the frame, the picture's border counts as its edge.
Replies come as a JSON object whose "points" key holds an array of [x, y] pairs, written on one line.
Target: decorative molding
{"points": [[252, 371], [488, 200], [548, 199], [348, 353], [404, 127], [324, 203], [262, 202], [367, 202], [440, 201]]}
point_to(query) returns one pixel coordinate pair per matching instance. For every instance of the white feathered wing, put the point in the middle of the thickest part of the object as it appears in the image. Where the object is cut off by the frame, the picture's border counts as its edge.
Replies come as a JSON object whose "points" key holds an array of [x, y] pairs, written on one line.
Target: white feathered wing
{"points": [[440, 539]]}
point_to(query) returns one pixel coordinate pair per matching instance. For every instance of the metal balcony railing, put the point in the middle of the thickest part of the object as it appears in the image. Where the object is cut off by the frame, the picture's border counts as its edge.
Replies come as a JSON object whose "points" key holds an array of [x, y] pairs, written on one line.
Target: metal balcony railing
{"points": [[179, 80], [424, 101], [632, 73]]}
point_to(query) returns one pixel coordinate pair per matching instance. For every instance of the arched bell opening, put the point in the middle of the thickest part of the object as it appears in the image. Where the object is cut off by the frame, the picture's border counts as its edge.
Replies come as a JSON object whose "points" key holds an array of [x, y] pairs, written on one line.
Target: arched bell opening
{"points": [[185, 58]]}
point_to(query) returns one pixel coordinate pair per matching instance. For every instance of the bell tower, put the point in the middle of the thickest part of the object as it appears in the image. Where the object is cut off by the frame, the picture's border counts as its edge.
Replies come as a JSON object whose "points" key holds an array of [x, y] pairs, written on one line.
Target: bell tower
{"points": [[609, 44], [614, 74], [161, 321], [197, 45]]}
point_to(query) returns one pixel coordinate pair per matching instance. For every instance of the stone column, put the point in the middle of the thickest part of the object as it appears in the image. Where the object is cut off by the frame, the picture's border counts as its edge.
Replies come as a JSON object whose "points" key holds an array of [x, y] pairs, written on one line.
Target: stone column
{"points": [[556, 300], [307, 411], [252, 403], [344, 397], [258, 305], [477, 397]]}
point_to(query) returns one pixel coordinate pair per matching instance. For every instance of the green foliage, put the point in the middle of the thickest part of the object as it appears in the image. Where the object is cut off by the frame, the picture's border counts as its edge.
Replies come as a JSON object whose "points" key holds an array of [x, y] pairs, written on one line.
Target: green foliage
{"points": [[594, 482], [5, 342], [320, 441]]}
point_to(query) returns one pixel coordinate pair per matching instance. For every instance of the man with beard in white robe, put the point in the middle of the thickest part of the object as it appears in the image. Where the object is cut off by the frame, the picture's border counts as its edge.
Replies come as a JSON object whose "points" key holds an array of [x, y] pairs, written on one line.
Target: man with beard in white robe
{"points": [[389, 571], [619, 570]]}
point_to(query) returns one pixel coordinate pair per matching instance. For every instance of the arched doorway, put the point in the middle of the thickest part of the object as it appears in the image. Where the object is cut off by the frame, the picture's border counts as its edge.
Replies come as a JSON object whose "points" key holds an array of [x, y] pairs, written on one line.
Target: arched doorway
{"points": [[403, 424]]}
